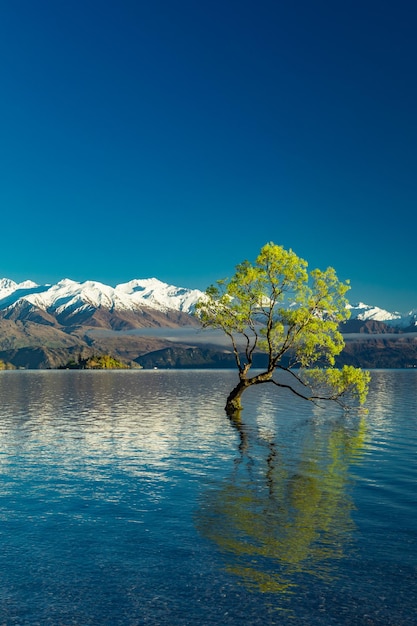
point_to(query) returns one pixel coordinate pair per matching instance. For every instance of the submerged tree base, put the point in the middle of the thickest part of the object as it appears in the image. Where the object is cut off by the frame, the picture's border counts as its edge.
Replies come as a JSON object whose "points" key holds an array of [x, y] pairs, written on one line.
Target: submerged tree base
{"points": [[234, 400], [233, 407]]}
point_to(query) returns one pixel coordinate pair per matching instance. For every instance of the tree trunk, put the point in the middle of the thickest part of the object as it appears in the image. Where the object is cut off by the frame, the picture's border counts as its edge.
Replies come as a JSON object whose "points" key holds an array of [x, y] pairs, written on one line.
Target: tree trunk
{"points": [[233, 402]]}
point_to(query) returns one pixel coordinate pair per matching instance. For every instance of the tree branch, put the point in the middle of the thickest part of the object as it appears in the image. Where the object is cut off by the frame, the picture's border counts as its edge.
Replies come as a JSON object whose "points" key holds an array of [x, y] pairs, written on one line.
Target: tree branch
{"points": [[334, 398]]}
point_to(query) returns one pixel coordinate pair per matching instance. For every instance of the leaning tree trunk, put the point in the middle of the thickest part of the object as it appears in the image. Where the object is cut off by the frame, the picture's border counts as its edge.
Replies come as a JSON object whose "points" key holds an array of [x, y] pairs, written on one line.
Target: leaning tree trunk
{"points": [[233, 402]]}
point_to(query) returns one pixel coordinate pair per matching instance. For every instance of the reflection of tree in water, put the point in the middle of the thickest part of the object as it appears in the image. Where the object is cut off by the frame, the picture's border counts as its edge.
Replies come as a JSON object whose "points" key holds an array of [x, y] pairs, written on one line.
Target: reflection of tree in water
{"points": [[275, 522]]}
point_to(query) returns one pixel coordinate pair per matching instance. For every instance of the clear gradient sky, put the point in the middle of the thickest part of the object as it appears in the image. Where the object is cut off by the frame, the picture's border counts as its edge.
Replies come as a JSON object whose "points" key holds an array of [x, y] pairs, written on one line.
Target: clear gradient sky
{"points": [[174, 138]]}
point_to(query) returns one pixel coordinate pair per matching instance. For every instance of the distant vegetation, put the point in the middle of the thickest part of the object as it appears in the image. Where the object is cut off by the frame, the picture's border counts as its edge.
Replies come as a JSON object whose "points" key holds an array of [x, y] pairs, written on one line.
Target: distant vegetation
{"points": [[6, 366], [95, 362]]}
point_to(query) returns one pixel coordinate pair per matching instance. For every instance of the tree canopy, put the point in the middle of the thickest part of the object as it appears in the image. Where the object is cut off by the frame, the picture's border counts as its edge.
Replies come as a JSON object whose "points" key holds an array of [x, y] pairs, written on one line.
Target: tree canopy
{"points": [[276, 306]]}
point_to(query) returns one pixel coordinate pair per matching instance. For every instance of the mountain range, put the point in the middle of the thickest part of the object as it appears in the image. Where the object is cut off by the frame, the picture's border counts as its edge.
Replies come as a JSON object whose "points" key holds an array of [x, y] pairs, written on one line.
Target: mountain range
{"points": [[67, 303], [45, 325]]}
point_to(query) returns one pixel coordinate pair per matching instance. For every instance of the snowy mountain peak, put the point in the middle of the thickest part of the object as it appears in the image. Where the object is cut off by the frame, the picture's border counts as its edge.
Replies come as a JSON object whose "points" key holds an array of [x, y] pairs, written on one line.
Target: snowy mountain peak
{"points": [[141, 284], [6, 283], [153, 292], [70, 295], [9, 286], [366, 312], [65, 282]]}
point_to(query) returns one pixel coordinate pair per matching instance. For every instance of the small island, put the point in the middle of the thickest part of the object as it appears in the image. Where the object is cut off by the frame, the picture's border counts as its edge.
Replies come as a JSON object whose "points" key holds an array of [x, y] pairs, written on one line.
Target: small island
{"points": [[95, 362], [4, 365]]}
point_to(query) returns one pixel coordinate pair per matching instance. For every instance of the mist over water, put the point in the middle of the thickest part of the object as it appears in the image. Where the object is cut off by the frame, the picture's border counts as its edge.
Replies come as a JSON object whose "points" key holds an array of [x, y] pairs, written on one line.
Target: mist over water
{"points": [[130, 498], [196, 335], [183, 334]]}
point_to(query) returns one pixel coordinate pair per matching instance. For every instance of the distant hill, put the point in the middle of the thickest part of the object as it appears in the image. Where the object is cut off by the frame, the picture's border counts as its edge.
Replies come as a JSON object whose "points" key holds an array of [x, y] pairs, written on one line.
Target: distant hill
{"points": [[47, 326], [372, 353]]}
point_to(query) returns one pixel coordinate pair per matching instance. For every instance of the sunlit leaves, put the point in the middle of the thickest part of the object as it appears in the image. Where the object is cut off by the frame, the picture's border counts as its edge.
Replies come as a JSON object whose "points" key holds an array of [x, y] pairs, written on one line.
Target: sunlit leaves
{"points": [[335, 383], [275, 305]]}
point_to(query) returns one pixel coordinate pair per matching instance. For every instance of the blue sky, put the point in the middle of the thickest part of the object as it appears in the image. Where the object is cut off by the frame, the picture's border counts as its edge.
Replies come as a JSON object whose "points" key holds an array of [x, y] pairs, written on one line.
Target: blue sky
{"points": [[174, 139]]}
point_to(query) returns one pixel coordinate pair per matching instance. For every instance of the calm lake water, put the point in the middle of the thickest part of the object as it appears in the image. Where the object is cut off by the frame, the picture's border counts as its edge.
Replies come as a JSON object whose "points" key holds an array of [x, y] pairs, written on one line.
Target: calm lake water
{"points": [[130, 498]]}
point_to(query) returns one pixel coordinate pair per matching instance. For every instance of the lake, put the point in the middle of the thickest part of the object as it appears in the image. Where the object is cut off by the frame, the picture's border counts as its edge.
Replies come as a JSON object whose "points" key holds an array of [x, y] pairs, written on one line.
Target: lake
{"points": [[130, 498]]}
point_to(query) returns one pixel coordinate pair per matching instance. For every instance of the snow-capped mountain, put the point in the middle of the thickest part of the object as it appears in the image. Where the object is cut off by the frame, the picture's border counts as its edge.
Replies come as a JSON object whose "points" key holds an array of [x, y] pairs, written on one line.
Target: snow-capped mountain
{"points": [[368, 313], [139, 302], [8, 286], [156, 294], [69, 294], [365, 312]]}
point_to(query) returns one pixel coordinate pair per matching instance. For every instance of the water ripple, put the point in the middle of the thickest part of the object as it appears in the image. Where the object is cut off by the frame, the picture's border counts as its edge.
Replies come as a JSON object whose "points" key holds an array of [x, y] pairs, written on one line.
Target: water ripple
{"points": [[130, 498]]}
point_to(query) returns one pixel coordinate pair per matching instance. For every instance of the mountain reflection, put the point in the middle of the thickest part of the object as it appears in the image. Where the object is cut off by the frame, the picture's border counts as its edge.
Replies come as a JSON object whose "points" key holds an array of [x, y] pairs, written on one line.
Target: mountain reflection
{"points": [[283, 514]]}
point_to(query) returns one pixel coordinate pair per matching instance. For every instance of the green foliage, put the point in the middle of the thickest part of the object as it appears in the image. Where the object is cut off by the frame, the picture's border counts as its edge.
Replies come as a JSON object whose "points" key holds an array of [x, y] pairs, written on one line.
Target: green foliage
{"points": [[337, 382], [105, 361], [276, 306], [4, 365]]}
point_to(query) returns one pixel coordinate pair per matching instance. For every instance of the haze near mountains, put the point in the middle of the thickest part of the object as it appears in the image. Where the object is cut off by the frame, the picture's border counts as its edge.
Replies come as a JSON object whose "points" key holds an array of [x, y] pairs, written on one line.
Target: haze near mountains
{"points": [[45, 325]]}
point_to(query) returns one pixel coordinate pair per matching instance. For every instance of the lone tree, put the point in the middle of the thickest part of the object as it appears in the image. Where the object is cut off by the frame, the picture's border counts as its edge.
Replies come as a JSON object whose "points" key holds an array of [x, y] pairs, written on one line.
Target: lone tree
{"points": [[277, 307]]}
